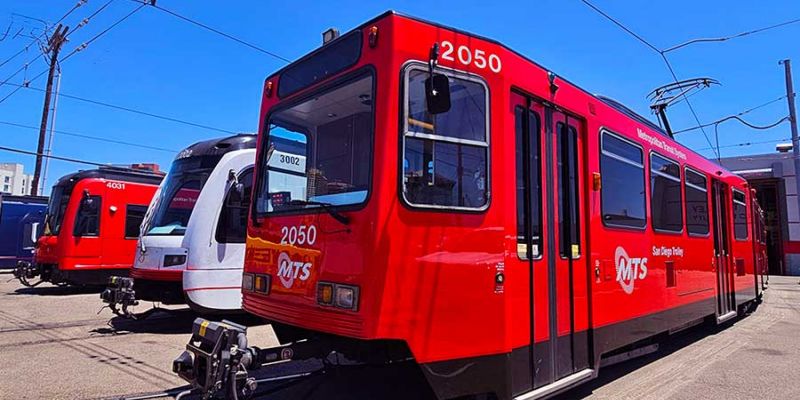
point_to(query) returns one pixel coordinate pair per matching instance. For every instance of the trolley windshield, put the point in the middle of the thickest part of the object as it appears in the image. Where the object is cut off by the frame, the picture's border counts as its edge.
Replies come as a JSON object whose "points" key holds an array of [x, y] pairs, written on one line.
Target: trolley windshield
{"points": [[170, 213], [319, 150], [56, 208]]}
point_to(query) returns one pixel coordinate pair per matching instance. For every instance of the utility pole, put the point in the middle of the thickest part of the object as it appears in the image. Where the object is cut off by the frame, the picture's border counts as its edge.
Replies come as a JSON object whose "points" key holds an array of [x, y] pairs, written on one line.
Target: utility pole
{"points": [[787, 65], [50, 138], [53, 47]]}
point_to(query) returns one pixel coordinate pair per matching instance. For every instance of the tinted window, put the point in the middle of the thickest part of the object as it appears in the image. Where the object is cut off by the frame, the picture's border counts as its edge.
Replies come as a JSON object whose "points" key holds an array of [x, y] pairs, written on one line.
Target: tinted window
{"points": [[568, 214], [665, 194], [134, 215], [466, 118], [529, 221], [87, 220], [696, 203], [176, 198], [56, 208], [446, 155], [331, 59], [622, 183], [320, 150], [232, 226], [739, 215]]}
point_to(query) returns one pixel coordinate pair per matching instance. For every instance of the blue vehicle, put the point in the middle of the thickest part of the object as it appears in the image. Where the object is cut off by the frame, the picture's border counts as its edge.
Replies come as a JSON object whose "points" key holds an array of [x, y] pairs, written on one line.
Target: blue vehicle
{"points": [[21, 222]]}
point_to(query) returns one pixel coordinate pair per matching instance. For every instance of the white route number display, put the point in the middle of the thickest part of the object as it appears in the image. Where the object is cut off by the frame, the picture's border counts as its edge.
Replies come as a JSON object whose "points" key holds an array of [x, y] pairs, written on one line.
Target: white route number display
{"points": [[471, 57], [303, 234]]}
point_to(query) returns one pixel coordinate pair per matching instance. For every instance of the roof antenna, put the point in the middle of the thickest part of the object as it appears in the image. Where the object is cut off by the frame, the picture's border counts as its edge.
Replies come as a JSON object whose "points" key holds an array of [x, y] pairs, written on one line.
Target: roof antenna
{"points": [[673, 93]]}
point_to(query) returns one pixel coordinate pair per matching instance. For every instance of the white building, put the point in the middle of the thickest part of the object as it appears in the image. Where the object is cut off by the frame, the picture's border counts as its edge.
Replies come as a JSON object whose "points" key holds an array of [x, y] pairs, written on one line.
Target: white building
{"points": [[13, 180]]}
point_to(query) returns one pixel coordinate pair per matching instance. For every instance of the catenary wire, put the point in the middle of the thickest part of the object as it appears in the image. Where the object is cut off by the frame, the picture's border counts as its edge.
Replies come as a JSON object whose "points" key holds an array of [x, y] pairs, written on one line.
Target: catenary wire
{"points": [[726, 38], [92, 137], [77, 49], [738, 114], [131, 110], [33, 153], [36, 39], [218, 32]]}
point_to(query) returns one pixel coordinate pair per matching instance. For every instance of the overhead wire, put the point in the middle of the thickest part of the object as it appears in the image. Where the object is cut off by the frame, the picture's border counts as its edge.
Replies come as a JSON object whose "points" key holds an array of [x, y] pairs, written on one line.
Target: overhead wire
{"points": [[737, 114], [33, 153], [132, 110], [217, 31], [726, 38], [744, 144], [662, 53], [86, 44], [36, 39], [92, 137]]}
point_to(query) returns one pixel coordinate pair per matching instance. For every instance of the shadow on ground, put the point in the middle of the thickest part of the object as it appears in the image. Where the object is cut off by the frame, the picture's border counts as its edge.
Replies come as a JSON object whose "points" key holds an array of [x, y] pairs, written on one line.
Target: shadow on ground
{"points": [[168, 321], [47, 289], [674, 343]]}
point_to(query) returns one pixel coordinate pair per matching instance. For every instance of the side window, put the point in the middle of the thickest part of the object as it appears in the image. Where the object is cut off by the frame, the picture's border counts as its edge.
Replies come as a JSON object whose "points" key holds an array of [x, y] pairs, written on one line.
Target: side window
{"points": [[739, 215], [528, 176], [665, 194], [622, 183], [696, 203], [87, 220], [446, 156], [134, 215], [232, 225]]}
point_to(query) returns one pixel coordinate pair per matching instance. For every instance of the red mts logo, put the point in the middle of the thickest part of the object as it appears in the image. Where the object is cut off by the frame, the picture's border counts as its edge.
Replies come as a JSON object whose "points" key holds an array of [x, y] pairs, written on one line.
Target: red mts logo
{"points": [[629, 269], [289, 270]]}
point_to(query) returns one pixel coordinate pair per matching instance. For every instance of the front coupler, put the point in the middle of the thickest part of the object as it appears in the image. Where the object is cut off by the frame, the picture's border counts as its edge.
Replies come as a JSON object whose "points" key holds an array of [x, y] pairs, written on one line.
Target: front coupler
{"points": [[26, 271], [217, 359], [119, 295]]}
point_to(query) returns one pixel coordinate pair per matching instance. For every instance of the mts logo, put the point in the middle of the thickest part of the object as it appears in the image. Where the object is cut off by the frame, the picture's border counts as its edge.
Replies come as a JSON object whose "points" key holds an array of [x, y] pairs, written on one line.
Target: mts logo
{"points": [[289, 270], [629, 269]]}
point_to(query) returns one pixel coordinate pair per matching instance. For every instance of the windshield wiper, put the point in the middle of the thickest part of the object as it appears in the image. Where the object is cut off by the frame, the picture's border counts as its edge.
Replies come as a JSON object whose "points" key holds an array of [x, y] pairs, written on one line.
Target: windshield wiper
{"points": [[325, 206]]}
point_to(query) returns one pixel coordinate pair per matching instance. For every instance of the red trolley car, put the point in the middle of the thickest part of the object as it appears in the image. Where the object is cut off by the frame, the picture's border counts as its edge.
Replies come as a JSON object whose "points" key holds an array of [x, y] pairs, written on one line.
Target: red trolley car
{"points": [[91, 226], [468, 209]]}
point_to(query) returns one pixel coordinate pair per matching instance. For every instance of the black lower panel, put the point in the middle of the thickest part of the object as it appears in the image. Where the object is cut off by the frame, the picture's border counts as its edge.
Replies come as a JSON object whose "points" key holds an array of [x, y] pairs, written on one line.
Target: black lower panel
{"points": [[470, 376], [612, 337], [95, 277], [563, 356], [508, 375], [167, 292], [542, 367]]}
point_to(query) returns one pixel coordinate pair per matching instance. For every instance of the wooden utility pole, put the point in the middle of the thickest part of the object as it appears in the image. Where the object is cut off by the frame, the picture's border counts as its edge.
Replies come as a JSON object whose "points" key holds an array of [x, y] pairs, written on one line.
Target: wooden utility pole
{"points": [[53, 47]]}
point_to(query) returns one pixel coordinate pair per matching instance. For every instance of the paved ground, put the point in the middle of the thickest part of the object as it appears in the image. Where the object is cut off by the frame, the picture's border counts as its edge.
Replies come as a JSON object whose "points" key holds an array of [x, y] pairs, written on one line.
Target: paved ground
{"points": [[754, 358], [54, 345]]}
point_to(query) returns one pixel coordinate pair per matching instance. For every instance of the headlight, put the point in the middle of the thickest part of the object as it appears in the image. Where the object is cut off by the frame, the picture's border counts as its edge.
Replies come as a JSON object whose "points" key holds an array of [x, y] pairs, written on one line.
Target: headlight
{"points": [[247, 282], [346, 297], [337, 295], [174, 259]]}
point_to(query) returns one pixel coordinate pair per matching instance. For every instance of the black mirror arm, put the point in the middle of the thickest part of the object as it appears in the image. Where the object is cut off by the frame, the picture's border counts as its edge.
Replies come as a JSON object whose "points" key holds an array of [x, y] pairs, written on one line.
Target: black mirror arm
{"points": [[433, 58]]}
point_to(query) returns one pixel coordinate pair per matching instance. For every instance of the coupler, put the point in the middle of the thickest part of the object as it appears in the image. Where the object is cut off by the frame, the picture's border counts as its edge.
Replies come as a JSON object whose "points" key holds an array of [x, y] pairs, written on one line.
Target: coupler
{"points": [[26, 271], [119, 295], [217, 359]]}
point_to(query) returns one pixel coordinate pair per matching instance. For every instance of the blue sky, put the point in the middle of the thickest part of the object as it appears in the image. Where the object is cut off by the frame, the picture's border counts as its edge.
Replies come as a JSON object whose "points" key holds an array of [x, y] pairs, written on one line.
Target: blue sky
{"points": [[157, 63]]}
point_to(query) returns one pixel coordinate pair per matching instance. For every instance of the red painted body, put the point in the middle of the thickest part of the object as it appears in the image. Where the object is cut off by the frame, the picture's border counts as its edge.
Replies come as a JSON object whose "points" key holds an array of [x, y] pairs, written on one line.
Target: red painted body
{"points": [[87, 259], [428, 277]]}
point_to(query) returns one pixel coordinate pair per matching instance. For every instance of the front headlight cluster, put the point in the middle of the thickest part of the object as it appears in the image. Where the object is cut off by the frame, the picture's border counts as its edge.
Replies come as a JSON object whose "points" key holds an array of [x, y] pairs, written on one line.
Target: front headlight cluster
{"points": [[337, 295], [259, 283]]}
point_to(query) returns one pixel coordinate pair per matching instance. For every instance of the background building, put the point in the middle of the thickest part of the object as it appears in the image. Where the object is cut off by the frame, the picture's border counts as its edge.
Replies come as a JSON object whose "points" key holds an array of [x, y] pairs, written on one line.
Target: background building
{"points": [[772, 175], [13, 180]]}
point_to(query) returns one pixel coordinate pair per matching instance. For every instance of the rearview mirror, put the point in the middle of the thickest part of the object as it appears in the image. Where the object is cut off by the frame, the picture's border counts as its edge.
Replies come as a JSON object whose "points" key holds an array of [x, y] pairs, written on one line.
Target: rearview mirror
{"points": [[236, 195], [437, 93]]}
